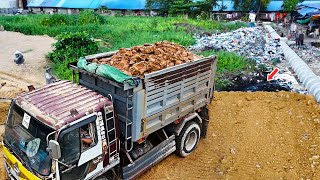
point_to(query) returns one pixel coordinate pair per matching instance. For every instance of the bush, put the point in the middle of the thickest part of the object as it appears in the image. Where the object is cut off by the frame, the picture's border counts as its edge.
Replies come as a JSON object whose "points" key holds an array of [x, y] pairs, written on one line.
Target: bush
{"points": [[229, 62], [68, 48], [90, 17], [72, 46]]}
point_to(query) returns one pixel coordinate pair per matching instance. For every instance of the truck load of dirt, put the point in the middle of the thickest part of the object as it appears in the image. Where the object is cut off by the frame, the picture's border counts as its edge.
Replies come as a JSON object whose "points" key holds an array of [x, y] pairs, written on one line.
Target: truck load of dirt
{"points": [[262, 135], [140, 60]]}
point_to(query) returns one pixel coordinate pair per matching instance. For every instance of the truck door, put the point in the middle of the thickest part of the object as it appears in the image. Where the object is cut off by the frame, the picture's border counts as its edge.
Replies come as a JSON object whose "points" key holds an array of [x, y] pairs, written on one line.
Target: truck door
{"points": [[81, 149]]}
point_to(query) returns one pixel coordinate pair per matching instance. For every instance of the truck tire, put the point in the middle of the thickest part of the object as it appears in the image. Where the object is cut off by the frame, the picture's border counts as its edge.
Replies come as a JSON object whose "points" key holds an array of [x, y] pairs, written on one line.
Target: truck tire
{"points": [[188, 139]]}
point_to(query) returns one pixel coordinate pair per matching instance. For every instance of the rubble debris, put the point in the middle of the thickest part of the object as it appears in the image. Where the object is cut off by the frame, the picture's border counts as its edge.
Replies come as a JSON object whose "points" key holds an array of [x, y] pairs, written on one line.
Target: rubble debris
{"points": [[310, 55], [247, 42], [49, 77], [18, 57], [2, 84], [307, 52], [255, 44], [148, 58]]}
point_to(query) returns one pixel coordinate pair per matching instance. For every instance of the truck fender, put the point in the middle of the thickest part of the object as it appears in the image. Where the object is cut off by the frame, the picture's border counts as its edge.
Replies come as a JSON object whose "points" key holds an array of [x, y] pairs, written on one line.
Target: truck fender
{"points": [[192, 116]]}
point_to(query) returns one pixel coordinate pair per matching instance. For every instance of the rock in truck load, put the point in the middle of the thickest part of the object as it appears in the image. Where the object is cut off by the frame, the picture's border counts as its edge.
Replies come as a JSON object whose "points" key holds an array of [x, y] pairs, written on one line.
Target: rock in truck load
{"points": [[140, 60]]}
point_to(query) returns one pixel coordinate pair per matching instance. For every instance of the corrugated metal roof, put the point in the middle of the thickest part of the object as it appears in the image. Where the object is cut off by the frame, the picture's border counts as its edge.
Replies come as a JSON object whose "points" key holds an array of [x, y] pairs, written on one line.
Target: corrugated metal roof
{"points": [[274, 6], [127, 4], [92, 4], [52, 103], [79, 4], [228, 4]]}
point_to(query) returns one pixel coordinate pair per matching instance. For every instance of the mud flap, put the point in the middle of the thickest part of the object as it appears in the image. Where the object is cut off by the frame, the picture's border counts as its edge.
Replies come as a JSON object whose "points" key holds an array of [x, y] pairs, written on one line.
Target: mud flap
{"points": [[204, 114], [151, 158]]}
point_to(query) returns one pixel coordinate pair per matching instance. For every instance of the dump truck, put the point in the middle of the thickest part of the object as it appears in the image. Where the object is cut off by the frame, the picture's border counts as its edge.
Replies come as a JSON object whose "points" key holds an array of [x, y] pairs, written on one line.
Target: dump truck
{"points": [[95, 127]]}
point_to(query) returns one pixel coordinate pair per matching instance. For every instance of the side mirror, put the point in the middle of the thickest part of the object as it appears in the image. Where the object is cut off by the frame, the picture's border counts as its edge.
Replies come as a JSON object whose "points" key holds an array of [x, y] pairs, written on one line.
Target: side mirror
{"points": [[54, 149]]}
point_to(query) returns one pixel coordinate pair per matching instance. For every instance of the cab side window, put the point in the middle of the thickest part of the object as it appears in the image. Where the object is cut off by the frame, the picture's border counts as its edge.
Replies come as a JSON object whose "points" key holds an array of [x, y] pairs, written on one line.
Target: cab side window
{"points": [[88, 135], [70, 146]]}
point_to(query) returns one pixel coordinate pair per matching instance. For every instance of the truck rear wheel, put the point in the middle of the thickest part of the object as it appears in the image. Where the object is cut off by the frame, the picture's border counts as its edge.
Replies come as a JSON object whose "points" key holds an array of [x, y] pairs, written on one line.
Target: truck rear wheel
{"points": [[188, 139]]}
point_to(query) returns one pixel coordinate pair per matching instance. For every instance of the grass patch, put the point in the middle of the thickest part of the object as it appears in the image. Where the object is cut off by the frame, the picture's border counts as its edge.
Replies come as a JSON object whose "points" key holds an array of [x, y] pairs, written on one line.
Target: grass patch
{"points": [[228, 63], [113, 32]]}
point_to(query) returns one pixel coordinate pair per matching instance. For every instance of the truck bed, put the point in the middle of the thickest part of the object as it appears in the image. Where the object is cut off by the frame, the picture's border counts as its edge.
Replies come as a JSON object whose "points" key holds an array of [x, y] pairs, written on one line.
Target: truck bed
{"points": [[160, 98]]}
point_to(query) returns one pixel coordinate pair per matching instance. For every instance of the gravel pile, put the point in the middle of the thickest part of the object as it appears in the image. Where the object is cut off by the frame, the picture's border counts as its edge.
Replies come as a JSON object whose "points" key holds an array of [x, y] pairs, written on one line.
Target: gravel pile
{"points": [[247, 42]]}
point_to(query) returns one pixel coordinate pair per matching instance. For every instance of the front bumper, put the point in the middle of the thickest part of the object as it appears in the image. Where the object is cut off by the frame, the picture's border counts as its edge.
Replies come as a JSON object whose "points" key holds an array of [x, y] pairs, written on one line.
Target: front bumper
{"points": [[10, 172], [14, 167]]}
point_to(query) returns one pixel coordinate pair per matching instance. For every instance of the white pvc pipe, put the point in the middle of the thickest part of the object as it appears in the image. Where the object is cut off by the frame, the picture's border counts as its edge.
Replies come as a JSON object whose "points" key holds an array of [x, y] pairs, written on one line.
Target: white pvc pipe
{"points": [[305, 74]]}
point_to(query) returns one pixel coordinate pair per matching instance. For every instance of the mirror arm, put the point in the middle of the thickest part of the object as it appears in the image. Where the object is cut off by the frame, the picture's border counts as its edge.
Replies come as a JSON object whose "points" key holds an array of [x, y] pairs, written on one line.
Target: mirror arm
{"points": [[49, 136]]}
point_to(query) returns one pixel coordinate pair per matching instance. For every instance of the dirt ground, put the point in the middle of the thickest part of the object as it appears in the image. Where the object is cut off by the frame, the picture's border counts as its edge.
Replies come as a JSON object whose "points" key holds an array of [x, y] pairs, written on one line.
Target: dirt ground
{"points": [[34, 49], [253, 136]]}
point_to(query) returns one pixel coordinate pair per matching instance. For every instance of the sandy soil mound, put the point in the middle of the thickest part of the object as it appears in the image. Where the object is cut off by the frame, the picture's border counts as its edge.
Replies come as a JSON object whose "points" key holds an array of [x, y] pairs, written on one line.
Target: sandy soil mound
{"points": [[253, 136]]}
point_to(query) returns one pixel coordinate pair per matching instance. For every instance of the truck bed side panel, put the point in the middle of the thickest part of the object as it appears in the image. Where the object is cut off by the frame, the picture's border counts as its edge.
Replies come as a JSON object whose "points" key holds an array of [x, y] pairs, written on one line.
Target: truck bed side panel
{"points": [[175, 93]]}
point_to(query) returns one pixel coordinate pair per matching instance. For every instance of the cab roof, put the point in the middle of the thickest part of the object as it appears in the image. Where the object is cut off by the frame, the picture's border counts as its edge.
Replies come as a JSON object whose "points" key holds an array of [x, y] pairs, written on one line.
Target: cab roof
{"points": [[53, 103]]}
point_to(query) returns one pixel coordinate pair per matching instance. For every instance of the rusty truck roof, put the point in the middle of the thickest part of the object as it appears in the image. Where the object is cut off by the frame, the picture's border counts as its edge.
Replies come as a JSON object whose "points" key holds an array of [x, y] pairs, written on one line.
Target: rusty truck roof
{"points": [[52, 104]]}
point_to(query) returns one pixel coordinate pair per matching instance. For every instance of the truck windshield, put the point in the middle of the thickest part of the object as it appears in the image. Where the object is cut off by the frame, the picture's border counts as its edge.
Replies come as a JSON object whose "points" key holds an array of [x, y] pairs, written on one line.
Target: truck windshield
{"points": [[26, 137]]}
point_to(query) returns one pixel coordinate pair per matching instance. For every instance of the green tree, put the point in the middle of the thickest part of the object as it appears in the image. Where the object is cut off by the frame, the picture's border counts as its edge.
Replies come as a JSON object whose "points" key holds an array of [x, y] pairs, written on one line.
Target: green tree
{"points": [[290, 5], [248, 5], [177, 7], [162, 6]]}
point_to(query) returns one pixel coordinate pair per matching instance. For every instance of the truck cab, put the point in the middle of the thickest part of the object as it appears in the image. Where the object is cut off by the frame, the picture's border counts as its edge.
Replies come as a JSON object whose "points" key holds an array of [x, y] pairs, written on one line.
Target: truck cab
{"points": [[60, 117]]}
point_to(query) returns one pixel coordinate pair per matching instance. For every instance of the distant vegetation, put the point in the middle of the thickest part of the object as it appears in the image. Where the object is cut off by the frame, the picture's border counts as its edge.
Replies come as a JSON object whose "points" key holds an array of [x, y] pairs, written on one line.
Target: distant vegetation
{"points": [[89, 33], [229, 63]]}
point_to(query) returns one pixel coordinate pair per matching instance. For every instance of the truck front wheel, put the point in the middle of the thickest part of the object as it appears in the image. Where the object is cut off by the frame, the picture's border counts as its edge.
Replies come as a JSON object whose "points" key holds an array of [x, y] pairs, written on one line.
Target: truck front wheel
{"points": [[188, 139]]}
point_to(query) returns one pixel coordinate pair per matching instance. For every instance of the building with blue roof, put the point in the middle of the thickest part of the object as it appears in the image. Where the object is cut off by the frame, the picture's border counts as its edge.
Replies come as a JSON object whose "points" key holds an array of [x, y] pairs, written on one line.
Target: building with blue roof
{"points": [[73, 6], [273, 6], [139, 6], [124, 5]]}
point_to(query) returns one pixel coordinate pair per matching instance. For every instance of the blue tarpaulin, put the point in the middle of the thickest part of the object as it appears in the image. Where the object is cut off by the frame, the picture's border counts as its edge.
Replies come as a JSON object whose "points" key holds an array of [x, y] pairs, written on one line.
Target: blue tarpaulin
{"points": [[313, 4], [304, 11]]}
